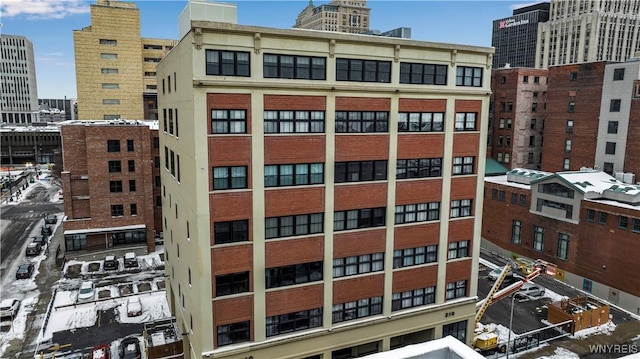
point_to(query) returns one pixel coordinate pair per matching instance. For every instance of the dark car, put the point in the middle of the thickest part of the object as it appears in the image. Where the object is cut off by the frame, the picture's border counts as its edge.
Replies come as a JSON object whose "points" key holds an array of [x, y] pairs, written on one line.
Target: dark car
{"points": [[33, 249], [46, 230], [130, 260], [110, 263], [41, 240], [50, 219], [130, 348], [25, 271]]}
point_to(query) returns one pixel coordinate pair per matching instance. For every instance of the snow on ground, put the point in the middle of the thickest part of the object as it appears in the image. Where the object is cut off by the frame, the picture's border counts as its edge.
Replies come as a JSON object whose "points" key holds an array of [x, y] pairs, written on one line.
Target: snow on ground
{"points": [[18, 327], [561, 353], [487, 263], [606, 328]]}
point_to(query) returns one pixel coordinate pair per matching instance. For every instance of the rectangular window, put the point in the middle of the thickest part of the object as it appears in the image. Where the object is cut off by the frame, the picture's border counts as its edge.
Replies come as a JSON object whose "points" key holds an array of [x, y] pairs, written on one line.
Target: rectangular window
{"points": [[109, 71], [130, 146], [133, 209], [418, 168], [293, 322], [458, 249], [234, 333], [573, 76], [533, 123], [293, 274], [132, 185], [536, 79], [466, 121], [293, 175], [413, 298], [563, 246], [463, 165], [566, 164], [623, 222], [572, 106], [421, 212], [591, 215], [232, 283], [612, 127], [115, 186], [227, 63], [156, 162], [115, 166], [365, 263], [525, 79], [228, 121], [362, 121], [131, 165], [614, 106], [171, 121], [420, 121], [113, 145], [514, 198], [456, 289], [117, 210], [569, 126], [363, 70], [297, 225], [359, 218], [294, 67], [360, 171], [610, 148], [461, 208], [108, 42], [618, 74], [516, 232], [110, 86], [534, 107], [231, 232], [415, 256], [469, 76], [567, 145], [356, 309], [229, 177], [635, 225], [109, 101], [602, 217], [293, 121], [457, 330], [538, 238], [424, 74], [108, 56]]}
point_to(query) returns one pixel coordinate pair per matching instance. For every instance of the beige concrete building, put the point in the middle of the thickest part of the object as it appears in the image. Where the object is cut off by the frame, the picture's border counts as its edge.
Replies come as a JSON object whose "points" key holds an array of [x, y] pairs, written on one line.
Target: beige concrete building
{"points": [[315, 210], [351, 16], [115, 67]]}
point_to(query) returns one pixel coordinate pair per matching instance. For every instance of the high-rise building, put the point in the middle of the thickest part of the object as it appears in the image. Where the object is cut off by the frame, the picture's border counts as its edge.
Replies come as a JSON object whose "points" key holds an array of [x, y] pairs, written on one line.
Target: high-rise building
{"points": [[19, 96], [351, 16], [330, 204], [581, 31], [514, 37], [115, 67]]}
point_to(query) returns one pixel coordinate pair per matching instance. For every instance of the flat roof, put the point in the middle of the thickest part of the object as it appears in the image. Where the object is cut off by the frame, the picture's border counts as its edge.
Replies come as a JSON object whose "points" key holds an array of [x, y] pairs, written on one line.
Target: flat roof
{"points": [[103, 229]]}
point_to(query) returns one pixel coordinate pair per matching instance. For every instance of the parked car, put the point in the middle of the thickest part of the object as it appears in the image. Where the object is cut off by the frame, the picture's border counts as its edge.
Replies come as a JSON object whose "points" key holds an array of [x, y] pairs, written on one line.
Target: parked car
{"points": [[46, 230], [134, 306], [50, 219], [102, 351], [130, 348], [9, 307], [494, 274], [130, 260], [110, 263], [25, 271], [42, 240], [531, 290], [87, 291], [33, 249]]}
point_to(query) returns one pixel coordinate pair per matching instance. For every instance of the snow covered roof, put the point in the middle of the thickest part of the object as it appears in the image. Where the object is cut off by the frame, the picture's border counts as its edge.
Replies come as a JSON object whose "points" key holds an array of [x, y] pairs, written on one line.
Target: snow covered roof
{"points": [[152, 124], [447, 347], [104, 229]]}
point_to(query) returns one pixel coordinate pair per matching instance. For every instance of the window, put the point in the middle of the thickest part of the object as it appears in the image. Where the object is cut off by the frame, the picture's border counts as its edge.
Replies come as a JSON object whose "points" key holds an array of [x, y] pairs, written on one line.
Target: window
{"points": [[227, 63], [228, 121], [298, 225], [566, 163], [293, 121], [499, 156], [567, 145], [533, 123], [572, 106], [525, 79], [113, 145], [130, 146], [293, 175], [293, 274], [108, 42], [608, 168], [358, 218], [415, 256], [591, 215], [108, 101], [556, 189], [171, 121], [157, 181], [602, 217], [363, 70], [536, 79], [569, 126], [502, 195], [538, 238], [133, 208], [155, 60], [361, 121], [229, 177], [231, 232], [514, 198], [501, 123], [110, 117], [509, 107], [108, 56], [534, 107], [456, 289], [293, 322], [115, 166], [614, 106], [587, 285], [110, 86], [612, 127], [618, 74], [424, 74], [458, 249], [361, 264], [156, 162], [115, 186], [463, 165], [516, 232], [563, 246], [356, 309], [232, 283], [466, 121], [108, 71], [461, 208], [413, 298], [420, 122], [132, 185], [117, 210], [535, 94], [610, 148], [469, 76], [457, 330], [623, 222], [635, 225], [500, 141], [360, 171], [234, 333], [294, 67], [530, 157], [418, 168], [573, 76], [421, 212], [150, 74]]}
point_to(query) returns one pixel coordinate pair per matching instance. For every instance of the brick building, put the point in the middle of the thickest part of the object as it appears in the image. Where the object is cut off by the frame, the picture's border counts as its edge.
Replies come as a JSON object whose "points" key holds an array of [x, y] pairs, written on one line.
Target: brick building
{"points": [[111, 183], [586, 222], [330, 204]]}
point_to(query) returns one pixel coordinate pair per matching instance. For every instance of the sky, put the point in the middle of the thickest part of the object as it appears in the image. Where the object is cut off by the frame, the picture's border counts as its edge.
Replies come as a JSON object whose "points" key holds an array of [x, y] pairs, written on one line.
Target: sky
{"points": [[49, 25]]}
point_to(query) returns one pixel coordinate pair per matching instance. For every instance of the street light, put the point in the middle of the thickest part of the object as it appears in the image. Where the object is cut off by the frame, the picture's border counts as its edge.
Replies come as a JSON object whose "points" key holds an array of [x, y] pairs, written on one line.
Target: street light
{"points": [[514, 295]]}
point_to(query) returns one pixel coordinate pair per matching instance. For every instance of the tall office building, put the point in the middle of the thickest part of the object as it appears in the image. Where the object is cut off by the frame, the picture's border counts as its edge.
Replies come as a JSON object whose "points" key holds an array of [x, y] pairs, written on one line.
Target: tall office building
{"points": [[330, 204], [19, 96], [115, 67], [351, 16], [589, 31], [514, 37]]}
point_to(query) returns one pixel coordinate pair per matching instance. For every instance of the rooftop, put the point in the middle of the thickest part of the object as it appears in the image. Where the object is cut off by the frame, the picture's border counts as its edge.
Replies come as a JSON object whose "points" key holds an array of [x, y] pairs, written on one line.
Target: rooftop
{"points": [[152, 124]]}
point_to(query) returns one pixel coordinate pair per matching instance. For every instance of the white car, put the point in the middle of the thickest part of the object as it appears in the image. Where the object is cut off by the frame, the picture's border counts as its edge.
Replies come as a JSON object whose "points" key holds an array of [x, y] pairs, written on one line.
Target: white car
{"points": [[9, 307], [494, 274], [530, 290], [87, 291], [134, 307]]}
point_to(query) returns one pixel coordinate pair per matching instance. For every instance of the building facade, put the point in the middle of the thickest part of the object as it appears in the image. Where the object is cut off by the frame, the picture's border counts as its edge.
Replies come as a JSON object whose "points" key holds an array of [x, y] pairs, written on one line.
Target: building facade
{"points": [[56, 110], [581, 31], [19, 95], [514, 37], [586, 222], [111, 183], [331, 208], [350, 16], [115, 67], [37, 145]]}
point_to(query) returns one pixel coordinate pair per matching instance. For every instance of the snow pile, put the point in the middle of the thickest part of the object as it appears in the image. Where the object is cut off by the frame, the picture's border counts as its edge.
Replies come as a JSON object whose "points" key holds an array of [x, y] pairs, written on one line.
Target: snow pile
{"points": [[606, 328], [499, 329], [561, 353]]}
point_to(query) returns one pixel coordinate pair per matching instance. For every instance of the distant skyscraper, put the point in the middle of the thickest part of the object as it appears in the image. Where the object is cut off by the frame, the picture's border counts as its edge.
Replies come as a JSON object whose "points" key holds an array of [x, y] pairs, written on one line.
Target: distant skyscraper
{"points": [[587, 31], [515, 37], [19, 96], [350, 16]]}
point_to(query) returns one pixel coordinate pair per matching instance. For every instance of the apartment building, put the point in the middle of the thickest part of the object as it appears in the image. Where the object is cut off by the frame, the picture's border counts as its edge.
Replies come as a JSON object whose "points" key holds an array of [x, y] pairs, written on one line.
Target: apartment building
{"points": [[581, 31], [586, 222], [19, 95], [115, 66], [330, 205], [111, 184], [517, 116], [350, 16]]}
